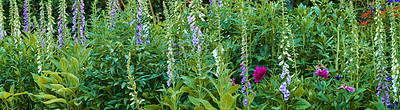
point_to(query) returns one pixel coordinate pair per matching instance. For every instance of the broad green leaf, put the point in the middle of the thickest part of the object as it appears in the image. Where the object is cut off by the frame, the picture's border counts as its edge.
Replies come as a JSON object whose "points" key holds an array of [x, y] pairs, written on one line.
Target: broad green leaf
{"points": [[169, 103], [194, 100], [301, 104], [198, 108], [57, 86], [233, 89], [64, 64], [4, 95], [74, 63], [207, 105], [226, 101], [152, 107], [74, 79], [46, 96], [55, 100], [17, 94]]}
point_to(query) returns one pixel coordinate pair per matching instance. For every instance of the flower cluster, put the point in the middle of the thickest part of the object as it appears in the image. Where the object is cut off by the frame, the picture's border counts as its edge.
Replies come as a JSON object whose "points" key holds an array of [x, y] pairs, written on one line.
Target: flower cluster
{"points": [[26, 11], [15, 23], [285, 92], [79, 11], [324, 73], [2, 31], [216, 53], [112, 12], [139, 27], [62, 22]]}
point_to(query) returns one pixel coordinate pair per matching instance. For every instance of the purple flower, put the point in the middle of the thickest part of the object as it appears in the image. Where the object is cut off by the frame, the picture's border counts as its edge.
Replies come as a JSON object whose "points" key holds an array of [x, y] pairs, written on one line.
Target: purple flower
{"points": [[259, 73], [243, 80], [388, 78], [26, 16], [378, 93], [245, 101], [249, 84]]}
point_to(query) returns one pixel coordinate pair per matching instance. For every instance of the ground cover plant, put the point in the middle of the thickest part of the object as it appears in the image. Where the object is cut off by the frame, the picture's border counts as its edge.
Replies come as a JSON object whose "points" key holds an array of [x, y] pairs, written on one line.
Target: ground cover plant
{"points": [[199, 54]]}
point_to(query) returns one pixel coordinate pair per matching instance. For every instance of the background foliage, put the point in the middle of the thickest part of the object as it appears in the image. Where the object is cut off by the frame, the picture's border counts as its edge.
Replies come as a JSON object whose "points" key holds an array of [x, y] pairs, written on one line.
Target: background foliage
{"points": [[357, 41]]}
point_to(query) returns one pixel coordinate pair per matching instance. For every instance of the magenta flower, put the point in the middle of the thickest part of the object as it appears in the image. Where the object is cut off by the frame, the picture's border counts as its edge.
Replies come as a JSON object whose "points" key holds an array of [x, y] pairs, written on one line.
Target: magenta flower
{"points": [[347, 87], [324, 73], [259, 73]]}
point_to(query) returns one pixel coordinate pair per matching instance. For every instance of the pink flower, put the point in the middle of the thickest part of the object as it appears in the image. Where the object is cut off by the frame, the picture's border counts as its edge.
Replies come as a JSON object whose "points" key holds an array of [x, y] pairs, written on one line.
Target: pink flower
{"points": [[231, 80], [344, 86], [324, 73], [259, 73]]}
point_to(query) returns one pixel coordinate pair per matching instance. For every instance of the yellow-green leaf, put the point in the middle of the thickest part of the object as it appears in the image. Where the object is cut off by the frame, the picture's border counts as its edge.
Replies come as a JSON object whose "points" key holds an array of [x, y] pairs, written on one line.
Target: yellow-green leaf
{"points": [[57, 86], [207, 104], [226, 101], [194, 101], [55, 100], [21, 93], [198, 108], [233, 89], [74, 79], [74, 62], [152, 107], [5, 95], [46, 96], [64, 64]]}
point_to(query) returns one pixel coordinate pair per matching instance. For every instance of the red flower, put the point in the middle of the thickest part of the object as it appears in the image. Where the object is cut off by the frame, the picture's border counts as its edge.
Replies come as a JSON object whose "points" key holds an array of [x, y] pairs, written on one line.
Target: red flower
{"points": [[259, 73]]}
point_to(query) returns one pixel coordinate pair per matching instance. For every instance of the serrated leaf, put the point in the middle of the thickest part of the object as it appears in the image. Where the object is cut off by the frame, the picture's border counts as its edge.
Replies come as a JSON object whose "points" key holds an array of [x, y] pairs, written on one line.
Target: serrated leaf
{"points": [[55, 100]]}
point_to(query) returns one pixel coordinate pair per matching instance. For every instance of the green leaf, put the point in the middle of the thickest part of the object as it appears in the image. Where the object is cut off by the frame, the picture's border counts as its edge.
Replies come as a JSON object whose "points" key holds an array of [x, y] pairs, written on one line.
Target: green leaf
{"points": [[226, 101], [152, 107], [74, 79], [233, 89], [198, 108], [21, 93], [64, 64], [55, 100], [74, 63], [46, 96], [301, 104], [194, 101], [112, 102], [207, 105], [57, 86]]}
